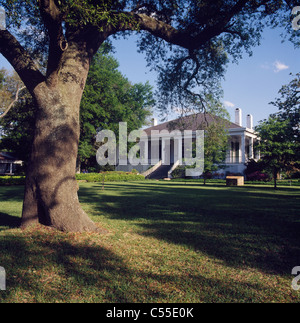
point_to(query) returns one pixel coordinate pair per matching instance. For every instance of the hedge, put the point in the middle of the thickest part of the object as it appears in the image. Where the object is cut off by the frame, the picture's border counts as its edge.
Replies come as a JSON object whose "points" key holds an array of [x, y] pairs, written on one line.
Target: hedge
{"points": [[12, 180], [90, 178], [110, 177]]}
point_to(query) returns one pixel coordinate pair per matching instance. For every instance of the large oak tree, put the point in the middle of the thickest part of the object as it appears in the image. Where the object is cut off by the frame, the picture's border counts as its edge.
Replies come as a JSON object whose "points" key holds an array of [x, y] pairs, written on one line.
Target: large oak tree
{"points": [[188, 41]]}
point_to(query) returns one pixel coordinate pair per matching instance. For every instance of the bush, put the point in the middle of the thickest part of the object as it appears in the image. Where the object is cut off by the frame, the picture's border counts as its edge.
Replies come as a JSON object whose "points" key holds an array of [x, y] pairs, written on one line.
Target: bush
{"points": [[110, 177], [179, 172], [258, 176], [12, 180], [90, 178], [295, 175]]}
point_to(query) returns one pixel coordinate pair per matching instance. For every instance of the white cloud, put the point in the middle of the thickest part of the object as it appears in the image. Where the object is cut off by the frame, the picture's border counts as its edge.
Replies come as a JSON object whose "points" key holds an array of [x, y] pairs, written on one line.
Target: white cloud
{"points": [[229, 104], [280, 67], [277, 66]]}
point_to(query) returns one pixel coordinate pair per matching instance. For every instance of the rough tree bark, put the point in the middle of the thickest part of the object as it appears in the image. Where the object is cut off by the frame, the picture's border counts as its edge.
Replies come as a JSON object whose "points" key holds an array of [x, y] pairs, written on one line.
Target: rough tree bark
{"points": [[51, 189]]}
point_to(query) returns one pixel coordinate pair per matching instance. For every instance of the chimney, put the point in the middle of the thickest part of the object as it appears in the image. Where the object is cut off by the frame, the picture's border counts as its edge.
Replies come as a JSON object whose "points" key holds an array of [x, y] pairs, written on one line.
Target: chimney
{"points": [[154, 122], [250, 121], [238, 117]]}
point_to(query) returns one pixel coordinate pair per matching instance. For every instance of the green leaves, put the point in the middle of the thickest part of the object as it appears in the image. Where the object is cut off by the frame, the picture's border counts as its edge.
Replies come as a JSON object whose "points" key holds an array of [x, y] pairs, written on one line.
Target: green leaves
{"points": [[109, 98], [280, 144], [279, 150]]}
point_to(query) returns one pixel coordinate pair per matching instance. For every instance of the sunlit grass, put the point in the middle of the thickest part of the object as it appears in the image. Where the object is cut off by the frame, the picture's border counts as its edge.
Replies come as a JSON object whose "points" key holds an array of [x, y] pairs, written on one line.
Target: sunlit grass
{"points": [[167, 242]]}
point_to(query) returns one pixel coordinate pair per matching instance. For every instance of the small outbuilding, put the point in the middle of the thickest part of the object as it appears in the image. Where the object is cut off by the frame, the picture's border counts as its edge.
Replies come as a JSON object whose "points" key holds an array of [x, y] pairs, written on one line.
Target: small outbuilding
{"points": [[8, 163], [235, 181]]}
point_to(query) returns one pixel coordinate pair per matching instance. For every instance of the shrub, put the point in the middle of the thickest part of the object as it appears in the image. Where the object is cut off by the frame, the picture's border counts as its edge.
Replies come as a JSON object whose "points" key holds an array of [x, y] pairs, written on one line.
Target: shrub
{"points": [[295, 175], [12, 180], [179, 172], [110, 177], [258, 176]]}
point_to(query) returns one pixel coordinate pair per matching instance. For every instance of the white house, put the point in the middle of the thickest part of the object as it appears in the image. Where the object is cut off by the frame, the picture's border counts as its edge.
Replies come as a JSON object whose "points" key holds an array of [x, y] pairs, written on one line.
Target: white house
{"points": [[8, 163], [168, 147]]}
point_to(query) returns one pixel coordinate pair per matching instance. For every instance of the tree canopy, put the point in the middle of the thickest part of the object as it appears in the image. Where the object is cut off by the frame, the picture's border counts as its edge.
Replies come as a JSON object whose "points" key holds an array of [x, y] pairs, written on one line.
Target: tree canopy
{"points": [[288, 105], [188, 42], [279, 135], [109, 98]]}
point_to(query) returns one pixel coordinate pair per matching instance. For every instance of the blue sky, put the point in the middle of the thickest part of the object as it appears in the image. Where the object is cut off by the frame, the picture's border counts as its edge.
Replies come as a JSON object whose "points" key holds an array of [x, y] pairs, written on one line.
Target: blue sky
{"points": [[249, 85]]}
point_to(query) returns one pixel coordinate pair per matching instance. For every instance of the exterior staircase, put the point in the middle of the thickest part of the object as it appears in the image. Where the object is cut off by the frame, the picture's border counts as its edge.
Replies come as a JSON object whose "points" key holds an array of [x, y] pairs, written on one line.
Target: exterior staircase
{"points": [[161, 172]]}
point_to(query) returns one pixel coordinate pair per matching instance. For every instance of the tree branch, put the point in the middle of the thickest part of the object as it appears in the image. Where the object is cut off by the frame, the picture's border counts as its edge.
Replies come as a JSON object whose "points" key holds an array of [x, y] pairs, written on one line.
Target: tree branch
{"points": [[14, 101], [182, 38], [21, 61], [53, 19]]}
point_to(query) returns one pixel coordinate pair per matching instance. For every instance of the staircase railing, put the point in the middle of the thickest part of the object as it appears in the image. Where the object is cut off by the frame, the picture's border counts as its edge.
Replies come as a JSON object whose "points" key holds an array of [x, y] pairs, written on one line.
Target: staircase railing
{"points": [[173, 168], [152, 169]]}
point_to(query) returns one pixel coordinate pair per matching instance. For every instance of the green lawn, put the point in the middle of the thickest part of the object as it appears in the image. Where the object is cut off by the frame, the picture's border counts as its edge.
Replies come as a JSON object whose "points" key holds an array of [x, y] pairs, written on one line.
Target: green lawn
{"points": [[167, 242]]}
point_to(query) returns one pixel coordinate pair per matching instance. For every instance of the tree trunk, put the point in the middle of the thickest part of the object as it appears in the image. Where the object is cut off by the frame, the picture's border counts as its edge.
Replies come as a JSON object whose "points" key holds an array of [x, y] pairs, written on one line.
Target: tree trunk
{"points": [[51, 188], [275, 179]]}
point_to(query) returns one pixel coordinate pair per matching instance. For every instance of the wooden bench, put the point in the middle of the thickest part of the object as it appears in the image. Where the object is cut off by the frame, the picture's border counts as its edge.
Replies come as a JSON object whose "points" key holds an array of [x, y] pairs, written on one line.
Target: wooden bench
{"points": [[235, 181]]}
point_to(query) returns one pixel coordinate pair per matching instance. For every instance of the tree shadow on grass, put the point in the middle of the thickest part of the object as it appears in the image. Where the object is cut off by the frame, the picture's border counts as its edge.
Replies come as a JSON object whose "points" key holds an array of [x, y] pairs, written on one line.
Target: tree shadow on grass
{"points": [[47, 267], [9, 221], [55, 268], [255, 227], [11, 193], [51, 266]]}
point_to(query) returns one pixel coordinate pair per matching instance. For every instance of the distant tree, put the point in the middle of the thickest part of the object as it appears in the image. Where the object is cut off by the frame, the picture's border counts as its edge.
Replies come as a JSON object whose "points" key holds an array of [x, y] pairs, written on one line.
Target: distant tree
{"points": [[10, 88], [215, 139], [289, 102], [2, 77], [18, 128], [108, 99], [278, 149], [289, 109]]}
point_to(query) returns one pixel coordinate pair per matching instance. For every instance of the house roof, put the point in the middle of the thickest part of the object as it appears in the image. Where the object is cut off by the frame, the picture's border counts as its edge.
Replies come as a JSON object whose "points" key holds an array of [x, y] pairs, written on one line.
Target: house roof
{"points": [[7, 156], [193, 122]]}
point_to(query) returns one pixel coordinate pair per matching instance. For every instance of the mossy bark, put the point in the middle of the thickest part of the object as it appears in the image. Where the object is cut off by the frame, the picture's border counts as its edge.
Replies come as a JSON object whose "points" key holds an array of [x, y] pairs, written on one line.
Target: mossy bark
{"points": [[51, 192]]}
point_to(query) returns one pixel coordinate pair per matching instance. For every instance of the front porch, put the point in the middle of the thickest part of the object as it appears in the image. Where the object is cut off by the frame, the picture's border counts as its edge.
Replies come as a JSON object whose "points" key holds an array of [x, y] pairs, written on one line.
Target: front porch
{"points": [[8, 164]]}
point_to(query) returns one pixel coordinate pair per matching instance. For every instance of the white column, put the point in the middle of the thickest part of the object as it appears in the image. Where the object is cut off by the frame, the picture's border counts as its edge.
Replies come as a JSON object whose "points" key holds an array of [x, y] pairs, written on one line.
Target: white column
{"points": [[243, 149], [144, 152], [163, 151], [251, 148], [258, 155], [155, 144], [178, 151]]}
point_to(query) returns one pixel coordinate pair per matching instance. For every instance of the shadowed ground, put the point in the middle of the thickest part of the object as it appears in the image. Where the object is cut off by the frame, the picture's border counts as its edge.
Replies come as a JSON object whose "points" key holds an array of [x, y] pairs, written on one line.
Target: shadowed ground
{"points": [[167, 242]]}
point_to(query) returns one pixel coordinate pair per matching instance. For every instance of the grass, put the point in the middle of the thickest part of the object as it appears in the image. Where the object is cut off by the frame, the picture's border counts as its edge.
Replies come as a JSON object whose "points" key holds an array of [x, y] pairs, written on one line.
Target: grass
{"points": [[167, 242]]}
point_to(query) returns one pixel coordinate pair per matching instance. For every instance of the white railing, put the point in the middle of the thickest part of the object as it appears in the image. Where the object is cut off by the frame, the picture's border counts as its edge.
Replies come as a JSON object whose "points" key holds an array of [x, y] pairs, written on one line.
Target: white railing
{"points": [[173, 168], [152, 169]]}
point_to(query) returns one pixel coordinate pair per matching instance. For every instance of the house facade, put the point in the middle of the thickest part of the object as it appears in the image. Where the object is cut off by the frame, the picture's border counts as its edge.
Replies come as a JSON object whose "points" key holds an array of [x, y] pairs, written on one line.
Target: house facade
{"points": [[8, 163], [163, 144]]}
